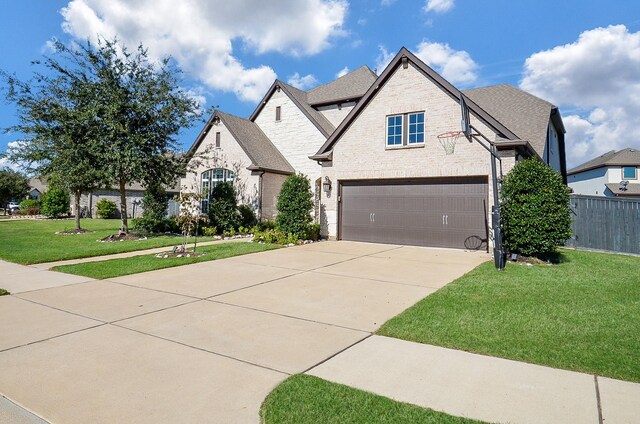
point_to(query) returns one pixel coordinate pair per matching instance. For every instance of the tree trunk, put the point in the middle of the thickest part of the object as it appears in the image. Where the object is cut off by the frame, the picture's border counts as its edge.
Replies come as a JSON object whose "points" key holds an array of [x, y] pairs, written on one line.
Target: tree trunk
{"points": [[123, 208], [76, 207]]}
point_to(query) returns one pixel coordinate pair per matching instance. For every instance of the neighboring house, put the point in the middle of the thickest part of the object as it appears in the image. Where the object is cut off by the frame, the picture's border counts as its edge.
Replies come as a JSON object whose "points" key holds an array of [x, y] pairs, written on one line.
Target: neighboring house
{"points": [[369, 146], [134, 193], [36, 189], [614, 174]]}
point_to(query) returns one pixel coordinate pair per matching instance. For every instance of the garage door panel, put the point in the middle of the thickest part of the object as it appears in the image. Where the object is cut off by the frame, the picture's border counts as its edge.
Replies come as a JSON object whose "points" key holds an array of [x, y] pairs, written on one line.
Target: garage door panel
{"points": [[430, 212]]}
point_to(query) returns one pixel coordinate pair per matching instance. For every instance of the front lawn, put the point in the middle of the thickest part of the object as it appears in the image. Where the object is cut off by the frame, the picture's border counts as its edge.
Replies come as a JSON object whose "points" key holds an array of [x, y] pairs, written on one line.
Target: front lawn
{"points": [[112, 268], [34, 241], [581, 315], [308, 399]]}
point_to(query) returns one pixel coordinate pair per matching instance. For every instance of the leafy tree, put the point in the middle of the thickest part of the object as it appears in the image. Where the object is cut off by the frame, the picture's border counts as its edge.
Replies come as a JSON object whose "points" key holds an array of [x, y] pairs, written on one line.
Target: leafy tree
{"points": [[57, 115], [536, 217], [295, 203], [55, 202], [108, 110], [223, 211], [13, 185]]}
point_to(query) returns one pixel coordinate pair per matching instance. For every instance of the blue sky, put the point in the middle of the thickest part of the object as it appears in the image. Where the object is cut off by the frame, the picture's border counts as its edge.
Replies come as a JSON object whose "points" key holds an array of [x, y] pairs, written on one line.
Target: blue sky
{"points": [[583, 56]]}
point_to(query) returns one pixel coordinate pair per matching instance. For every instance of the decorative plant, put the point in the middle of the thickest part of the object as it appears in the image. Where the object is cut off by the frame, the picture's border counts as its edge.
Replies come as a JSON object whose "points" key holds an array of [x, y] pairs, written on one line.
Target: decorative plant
{"points": [[536, 217], [106, 209], [189, 218], [295, 203], [55, 202]]}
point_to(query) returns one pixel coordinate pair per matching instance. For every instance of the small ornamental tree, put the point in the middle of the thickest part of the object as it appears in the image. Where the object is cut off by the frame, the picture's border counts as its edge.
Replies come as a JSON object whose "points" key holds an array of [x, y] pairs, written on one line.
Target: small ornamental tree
{"points": [[295, 203], [536, 217], [55, 203], [223, 211], [155, 202]]}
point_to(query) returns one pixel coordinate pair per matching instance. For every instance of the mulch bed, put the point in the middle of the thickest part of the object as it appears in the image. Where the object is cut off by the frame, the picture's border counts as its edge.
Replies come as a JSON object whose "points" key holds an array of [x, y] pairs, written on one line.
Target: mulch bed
{"points": [[121, 237]]}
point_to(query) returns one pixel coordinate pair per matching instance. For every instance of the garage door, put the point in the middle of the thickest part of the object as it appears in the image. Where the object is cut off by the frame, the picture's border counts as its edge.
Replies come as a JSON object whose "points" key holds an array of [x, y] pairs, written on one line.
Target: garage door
{"points": [[439, 212]]}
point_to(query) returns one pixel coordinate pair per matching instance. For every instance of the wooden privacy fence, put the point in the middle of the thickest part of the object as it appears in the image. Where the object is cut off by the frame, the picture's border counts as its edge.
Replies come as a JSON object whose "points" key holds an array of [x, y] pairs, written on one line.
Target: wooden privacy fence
{"points": [[605, 224]]}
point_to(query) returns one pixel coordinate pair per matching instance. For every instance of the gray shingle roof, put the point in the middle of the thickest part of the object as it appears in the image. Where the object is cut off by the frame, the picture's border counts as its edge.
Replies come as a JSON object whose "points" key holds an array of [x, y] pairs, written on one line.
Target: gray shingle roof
{"points": [[350, 86], [300, 97], [632, 189], [524, 114], [623, 157], [261, 151]]}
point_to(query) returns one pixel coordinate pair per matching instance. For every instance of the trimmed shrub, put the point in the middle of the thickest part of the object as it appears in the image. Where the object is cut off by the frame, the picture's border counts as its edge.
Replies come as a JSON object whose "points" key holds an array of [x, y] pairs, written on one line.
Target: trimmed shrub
{"points": [[295, 203], [264, 225], [157, 226], [106, 209], [29, 204], [274, 236], [247, 216], [55, 203], [313, 232], [536, 217], [223, 213]]}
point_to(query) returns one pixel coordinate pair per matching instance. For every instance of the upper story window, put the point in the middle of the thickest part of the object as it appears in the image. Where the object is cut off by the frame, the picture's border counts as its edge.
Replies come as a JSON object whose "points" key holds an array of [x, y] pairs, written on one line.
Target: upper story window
{"points": [[416, 128], [629, 173], [211, 178], [278, 113], [394, 130], [405, 129], [218, 139]]}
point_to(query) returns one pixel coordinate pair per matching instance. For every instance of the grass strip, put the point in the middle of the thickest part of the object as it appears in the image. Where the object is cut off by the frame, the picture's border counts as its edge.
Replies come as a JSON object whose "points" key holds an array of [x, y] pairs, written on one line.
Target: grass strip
{"points": [[581, 315], [34, 241], [307, 399], [112, 268]]}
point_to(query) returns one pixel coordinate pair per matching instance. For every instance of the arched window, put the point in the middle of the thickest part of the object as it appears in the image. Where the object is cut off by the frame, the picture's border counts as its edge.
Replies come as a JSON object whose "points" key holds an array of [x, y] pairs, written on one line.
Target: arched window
{"points": [[211, 178]]}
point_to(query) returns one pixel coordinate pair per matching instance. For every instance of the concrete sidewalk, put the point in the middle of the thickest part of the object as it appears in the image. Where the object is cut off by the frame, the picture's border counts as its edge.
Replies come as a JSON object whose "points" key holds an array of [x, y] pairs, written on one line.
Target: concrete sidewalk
{"points": [[481, 387], [49, 265]]}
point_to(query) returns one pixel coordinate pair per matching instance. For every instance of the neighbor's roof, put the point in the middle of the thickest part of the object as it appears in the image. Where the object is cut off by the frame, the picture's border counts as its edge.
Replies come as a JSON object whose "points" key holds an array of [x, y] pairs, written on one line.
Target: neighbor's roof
{"points": [[625, 157], [524, 114], [632, 189], [349, 87], [38, 184], [260, 150]]}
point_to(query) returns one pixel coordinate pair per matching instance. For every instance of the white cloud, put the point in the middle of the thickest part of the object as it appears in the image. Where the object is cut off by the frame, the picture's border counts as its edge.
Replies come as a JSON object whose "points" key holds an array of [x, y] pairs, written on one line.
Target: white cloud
{"points": [[383, 59], [456, 66], [302, 83], [342, 72], [438, 6], [598, 77], [200, 34], [6, 163], [386, 3]]}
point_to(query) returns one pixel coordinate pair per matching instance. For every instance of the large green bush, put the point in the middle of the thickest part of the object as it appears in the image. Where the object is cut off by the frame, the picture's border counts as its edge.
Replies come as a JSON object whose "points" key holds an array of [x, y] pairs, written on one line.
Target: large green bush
{"points": [[150, 225], [247, 216], [223, 212], [295, 203], [106, 209], [55, 203], [536, 217]]}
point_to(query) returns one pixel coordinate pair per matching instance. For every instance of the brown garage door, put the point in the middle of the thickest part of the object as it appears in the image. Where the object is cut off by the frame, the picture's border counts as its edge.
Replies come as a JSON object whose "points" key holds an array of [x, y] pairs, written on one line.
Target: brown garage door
{"points": [[441, 212]]}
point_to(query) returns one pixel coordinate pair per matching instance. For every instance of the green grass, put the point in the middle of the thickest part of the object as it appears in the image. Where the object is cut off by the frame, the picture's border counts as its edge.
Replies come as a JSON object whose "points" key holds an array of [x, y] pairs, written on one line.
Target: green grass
{"points": [[118, 267], [34, 241], [581, 315], [307, 399], [3, 292]]}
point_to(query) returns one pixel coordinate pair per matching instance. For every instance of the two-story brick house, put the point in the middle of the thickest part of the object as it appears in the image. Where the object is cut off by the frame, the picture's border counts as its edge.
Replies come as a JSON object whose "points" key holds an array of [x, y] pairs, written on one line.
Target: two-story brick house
{"points": [[370, 145]]}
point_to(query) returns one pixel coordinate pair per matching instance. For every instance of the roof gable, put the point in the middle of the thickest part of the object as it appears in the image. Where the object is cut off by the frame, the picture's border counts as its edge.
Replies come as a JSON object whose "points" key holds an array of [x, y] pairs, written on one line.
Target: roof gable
{"points": [[405, 56], [257, 146], [349, 87], [299, 98], [625, 157]]}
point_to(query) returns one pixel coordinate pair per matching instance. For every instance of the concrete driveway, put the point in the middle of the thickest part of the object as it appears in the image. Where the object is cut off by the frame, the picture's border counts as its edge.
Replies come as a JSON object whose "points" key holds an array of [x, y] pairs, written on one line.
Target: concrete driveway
{"points": [[204, 342]]}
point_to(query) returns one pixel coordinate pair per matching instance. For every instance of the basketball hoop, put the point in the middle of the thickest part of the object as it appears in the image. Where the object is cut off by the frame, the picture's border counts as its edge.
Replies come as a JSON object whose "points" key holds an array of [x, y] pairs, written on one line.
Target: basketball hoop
{"points": [[448, 140]]}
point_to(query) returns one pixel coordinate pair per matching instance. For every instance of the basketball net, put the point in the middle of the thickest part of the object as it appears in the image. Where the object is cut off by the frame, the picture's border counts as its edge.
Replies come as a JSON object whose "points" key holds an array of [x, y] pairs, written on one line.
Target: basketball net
{"points": [[448, 140]]}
